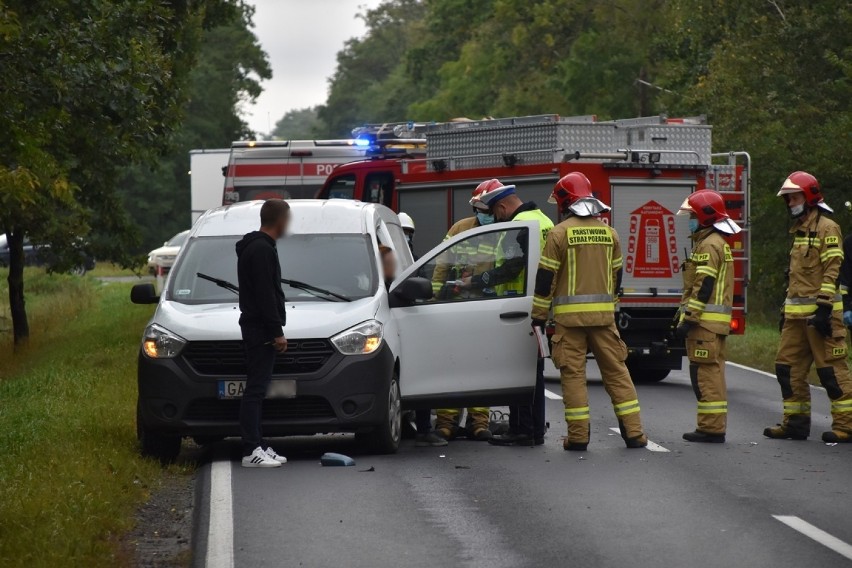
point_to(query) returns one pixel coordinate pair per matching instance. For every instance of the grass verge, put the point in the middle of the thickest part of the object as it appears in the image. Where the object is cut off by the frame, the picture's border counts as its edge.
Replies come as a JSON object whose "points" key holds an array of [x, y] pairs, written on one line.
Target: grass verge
{"points": [[105, 269], [71, 477]]}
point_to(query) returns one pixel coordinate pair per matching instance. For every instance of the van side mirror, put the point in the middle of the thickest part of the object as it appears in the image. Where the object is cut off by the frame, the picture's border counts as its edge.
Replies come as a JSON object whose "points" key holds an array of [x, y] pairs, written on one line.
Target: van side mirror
{"points": [[144, 294], [411, 290]]}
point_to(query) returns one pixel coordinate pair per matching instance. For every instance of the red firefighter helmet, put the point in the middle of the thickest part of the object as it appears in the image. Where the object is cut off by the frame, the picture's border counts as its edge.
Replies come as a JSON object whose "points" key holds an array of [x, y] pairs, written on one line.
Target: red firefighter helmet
{"points": [[574, 193], [489, 192], [709, 208], [805, 183]]}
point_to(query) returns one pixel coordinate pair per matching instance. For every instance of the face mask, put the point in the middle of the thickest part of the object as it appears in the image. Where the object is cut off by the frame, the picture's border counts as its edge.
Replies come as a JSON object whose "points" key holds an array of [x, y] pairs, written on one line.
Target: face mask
{"points": [[484, 218], [797, 210], [693, 225]]}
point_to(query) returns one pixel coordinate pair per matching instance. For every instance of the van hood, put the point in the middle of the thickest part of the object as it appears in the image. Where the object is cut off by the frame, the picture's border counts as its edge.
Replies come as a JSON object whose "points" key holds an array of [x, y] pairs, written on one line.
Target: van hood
{"points": [[305, 320]]}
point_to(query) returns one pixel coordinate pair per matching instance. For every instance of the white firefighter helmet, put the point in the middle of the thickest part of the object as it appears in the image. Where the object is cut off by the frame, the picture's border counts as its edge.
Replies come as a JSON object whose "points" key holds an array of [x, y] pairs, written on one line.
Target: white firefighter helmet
{"points": [[406, 221]]}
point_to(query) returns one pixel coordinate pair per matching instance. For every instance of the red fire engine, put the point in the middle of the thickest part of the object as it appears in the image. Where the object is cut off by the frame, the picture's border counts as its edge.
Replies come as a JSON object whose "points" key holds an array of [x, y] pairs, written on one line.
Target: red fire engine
{"points": [[644, 168]]}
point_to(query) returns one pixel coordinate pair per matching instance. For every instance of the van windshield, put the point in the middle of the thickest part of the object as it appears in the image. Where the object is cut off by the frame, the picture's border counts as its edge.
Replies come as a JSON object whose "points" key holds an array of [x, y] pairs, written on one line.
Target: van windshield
{"points": [[341, 263]]}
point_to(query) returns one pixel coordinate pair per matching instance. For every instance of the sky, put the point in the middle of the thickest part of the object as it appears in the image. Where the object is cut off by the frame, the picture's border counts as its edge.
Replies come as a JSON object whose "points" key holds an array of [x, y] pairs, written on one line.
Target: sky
{"points": [[301, 38]]}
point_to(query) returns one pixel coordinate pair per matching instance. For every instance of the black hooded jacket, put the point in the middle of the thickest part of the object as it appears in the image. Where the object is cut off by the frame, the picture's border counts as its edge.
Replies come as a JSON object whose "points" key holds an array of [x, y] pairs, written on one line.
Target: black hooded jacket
{"points": [[259, 276]]}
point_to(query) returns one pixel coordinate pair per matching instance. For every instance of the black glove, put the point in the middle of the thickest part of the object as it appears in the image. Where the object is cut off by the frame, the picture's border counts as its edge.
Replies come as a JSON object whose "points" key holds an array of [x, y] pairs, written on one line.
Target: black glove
{"points": [[683, 329], [821, 320], [781, 323], [541, 324]]}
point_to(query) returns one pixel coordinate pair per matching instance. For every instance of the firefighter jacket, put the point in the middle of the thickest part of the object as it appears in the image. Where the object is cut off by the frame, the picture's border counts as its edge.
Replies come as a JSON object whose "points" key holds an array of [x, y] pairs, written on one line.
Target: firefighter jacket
{"points": [[509, 273], [708, 283], [845, 279], [815, 261], [579, 274], [476, 258]]}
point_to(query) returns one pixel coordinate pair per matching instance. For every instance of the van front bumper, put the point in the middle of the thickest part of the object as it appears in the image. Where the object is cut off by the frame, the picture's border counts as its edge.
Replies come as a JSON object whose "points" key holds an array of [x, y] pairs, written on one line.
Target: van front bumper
{"points": [[348, 394]]}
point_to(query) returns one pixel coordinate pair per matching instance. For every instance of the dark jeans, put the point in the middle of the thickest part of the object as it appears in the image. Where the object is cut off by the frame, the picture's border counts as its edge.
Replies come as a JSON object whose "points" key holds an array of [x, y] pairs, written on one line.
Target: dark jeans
{"points": [[260, 360], [423, 421], [530, 420]]}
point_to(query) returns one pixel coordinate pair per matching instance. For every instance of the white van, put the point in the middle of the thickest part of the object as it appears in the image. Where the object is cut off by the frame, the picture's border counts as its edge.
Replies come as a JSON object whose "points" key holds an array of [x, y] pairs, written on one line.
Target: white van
{"points": [[358, 353]]}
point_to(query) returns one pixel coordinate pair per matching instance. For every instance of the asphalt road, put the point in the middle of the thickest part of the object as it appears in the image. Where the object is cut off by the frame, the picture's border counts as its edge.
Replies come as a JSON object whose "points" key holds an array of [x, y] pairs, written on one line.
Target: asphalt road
{"points": [[475, 505]]}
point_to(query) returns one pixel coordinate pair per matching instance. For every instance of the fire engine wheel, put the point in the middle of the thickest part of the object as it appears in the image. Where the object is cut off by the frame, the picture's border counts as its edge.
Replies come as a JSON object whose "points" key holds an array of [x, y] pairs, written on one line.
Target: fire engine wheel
{"points": [[648, 375]]}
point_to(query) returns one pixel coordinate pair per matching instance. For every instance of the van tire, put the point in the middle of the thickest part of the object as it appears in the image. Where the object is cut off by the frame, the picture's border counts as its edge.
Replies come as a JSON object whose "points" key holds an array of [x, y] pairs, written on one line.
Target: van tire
{"points": [[385, 438], [162, 447]]}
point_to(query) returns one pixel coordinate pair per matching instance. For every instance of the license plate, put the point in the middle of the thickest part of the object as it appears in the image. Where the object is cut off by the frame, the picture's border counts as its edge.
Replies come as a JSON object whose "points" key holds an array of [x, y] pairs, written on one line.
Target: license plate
{"points": [[277, 389]]}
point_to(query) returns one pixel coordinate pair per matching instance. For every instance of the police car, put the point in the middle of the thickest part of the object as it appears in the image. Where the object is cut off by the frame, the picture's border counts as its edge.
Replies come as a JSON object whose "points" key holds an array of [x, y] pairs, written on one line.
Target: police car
{"points": [[358, 352]]}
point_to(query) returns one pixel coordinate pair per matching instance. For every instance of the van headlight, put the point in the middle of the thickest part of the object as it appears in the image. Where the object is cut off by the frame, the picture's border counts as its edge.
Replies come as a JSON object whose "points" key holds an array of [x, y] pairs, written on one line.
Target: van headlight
{"points": [[160, 343], [363, 338]]}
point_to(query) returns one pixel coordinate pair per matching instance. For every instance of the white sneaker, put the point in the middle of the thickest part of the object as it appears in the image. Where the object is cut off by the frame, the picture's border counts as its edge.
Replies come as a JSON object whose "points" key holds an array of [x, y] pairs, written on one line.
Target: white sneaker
{"points": [[274, 455], [259, 458]]}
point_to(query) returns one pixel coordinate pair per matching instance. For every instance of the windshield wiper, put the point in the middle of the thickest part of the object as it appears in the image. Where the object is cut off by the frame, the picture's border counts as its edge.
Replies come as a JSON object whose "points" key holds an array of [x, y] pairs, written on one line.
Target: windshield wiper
{"points": [[221, 283], [312, 289]]}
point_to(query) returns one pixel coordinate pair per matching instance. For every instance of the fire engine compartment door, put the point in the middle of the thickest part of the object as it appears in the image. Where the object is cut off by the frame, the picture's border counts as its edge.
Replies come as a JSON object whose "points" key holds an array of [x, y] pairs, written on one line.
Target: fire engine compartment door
{"points": [[471, 347], [654, 242]]}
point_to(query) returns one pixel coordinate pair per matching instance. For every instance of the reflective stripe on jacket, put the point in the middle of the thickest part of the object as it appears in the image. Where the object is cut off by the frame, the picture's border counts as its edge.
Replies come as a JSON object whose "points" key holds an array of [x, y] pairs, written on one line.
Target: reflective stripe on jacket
{"points": [[815, 260], [708, 283], [584, 256], [516, 285]]}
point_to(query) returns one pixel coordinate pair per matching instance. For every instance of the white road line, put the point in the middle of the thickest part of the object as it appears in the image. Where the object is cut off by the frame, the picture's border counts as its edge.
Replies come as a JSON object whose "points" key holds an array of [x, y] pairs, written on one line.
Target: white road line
{"points": [[764, 373], [552, 395], [819, 535], [220, 534], [652, 447]]}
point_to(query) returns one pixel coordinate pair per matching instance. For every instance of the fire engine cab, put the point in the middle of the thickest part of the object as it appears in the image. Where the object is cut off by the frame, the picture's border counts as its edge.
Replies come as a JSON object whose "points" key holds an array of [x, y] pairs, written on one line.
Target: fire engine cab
{"points": [[644, 168]]}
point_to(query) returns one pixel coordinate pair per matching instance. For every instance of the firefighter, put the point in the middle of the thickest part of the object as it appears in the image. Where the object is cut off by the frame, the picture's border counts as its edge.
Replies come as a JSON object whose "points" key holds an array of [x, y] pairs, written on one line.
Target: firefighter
{"points": [[845, 279], [478, 418], [526, 423], [812, 330], [705, 312], [583, 303], [407, 224]]}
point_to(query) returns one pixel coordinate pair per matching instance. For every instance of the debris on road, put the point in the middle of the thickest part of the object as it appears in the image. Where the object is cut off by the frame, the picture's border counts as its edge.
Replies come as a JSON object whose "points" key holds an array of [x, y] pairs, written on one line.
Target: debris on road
{"points": [[330, 459], [369, 469]]}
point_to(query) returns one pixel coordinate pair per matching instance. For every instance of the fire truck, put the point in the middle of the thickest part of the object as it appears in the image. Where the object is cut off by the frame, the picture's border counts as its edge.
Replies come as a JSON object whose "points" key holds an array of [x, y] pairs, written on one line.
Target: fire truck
{"points": [[644, 168], [286, 169]]}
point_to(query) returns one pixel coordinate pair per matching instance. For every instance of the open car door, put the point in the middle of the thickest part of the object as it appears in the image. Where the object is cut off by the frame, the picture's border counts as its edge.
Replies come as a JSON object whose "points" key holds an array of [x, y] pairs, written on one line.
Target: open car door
{"points": [[469, 346]]}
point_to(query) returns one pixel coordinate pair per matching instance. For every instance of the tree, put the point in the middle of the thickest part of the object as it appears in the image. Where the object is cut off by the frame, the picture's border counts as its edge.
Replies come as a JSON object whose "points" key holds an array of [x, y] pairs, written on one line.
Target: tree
{"points": [[226, 77], [298, 124], [89, 86]]}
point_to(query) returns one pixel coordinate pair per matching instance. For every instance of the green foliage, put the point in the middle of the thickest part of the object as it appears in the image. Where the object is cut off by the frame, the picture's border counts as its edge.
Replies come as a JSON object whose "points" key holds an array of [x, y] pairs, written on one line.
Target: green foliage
{"points": [[298, 124], [772, 76], [73, 387], [226, 77]]}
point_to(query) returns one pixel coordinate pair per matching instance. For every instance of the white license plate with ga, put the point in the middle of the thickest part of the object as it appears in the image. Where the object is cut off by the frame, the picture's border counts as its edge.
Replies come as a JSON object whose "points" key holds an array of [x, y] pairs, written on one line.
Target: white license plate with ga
{"points": [[277, 389]]}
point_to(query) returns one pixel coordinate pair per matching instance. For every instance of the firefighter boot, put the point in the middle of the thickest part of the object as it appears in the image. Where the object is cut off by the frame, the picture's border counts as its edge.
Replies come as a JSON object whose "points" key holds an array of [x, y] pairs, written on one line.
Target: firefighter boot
{"points": [[837, 383], [704, 438], [478, 421], [447, 422], [795, 427]]}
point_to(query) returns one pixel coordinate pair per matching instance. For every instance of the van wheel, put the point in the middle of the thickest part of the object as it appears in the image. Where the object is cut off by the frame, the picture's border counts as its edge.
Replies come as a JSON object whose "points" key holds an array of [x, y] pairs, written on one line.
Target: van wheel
{"points": [[648, 375], [152, 444], [385, 438]]}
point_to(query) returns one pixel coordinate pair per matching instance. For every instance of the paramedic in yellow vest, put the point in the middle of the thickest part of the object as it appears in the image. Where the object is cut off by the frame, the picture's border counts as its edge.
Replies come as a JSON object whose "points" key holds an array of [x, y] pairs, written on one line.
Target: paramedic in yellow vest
{"points": [[812, 330], [508, 277], [705, 310], [579, 276], [478, 418]]}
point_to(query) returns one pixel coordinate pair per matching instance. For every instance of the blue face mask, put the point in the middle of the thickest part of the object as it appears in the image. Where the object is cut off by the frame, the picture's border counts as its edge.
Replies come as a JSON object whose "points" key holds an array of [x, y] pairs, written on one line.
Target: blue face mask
{"points": [[693, 225], [484, 218]]}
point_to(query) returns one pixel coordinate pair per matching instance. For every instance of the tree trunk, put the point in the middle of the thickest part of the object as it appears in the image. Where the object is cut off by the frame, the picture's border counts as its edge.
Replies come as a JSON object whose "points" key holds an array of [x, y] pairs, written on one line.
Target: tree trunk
{"points": [[17, 306]]}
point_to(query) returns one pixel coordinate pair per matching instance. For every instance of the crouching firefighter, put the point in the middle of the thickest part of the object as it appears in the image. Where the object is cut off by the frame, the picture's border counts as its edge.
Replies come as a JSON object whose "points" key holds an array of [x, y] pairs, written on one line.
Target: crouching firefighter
{"points": [[579, 274], [705, 312], [812, 330]]}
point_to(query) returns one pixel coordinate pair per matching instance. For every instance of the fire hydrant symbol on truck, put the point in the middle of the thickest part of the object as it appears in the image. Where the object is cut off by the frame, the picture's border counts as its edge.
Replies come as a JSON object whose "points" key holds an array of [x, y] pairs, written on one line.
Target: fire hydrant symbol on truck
{"points": [[650, 250]]}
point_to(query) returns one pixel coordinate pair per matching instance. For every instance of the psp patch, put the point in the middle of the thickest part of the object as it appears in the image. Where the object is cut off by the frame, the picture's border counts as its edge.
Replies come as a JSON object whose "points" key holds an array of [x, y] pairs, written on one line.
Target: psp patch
{"points": [[839, 351], [701, 354], [832, 240]]}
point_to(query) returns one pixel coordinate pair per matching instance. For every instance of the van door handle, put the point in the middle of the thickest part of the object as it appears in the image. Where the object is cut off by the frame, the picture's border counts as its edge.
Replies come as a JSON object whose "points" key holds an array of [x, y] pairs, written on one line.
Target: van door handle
{"points": [[514, 315]]}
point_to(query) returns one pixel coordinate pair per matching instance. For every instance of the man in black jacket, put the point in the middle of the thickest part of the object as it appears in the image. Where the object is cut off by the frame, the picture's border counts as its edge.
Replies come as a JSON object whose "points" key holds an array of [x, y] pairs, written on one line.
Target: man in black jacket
{"points": [[262, 319]]}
